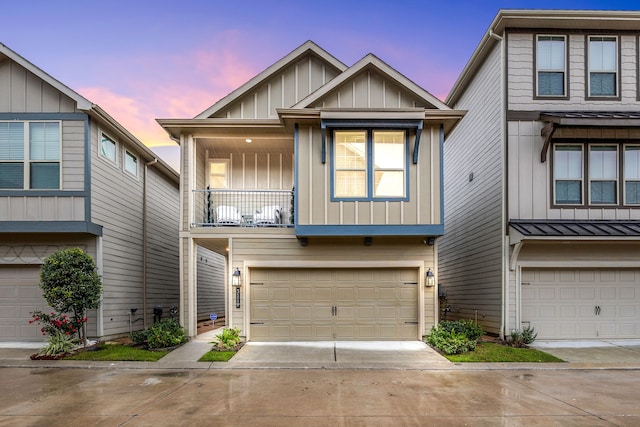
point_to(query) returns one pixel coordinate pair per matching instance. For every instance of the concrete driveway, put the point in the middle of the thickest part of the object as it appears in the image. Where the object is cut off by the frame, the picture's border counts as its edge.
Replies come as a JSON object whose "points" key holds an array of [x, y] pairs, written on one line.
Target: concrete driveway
{"points": [[600, 351]]}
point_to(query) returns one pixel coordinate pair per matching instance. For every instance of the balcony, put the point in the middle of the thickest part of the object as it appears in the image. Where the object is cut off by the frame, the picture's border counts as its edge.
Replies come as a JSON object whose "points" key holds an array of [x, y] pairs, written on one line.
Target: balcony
{"points": [[243, 208]]}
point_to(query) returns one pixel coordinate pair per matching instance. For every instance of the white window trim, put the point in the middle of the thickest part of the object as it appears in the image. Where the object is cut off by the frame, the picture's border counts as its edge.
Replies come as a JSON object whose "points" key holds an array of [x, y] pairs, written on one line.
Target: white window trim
{"points": [[227, 164], [617, 68], [26, 160], [564, 69], [126, 153], [113, 162]]}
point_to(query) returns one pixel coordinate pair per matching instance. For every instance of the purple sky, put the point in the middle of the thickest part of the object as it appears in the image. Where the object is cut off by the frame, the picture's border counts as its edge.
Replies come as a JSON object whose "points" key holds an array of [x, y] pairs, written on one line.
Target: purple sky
{"points": [[141, 60]]}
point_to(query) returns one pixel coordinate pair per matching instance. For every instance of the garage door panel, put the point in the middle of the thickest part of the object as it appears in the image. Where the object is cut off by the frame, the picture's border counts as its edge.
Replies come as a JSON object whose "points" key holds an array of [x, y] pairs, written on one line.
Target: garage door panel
{"points": [[20, 295], [598, 303], [356, 304]]}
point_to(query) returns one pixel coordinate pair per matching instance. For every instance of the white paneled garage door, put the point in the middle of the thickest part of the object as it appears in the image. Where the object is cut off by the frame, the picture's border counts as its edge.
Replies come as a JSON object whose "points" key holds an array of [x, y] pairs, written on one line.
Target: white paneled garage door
{"points": [[20, 294], [333, 304], [582, 303]]}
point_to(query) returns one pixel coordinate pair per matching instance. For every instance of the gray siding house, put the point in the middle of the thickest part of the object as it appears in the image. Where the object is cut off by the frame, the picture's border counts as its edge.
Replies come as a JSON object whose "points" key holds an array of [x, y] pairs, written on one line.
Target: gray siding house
{"points": [[321, 186], [71, 176], [542, 178]]}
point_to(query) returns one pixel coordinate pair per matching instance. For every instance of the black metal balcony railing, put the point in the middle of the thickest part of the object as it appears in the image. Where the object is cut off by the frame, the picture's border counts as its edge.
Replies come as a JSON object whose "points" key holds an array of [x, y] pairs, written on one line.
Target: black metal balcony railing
{"points": [[244, 208]]}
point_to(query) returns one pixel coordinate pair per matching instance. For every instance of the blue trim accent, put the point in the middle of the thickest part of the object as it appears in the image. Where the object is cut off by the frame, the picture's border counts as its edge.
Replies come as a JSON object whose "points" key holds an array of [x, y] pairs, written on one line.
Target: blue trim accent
{"points": [[87, 168], [442, 175], [370, 230], [41, 193], [296, 169], [43, 116], [370, 171], [416, 149], [51, 227]]}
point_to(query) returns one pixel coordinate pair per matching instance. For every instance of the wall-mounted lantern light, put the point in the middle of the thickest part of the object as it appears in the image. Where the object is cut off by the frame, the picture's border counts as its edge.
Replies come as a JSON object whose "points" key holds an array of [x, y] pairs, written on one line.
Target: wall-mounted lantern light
{"points": [[236, 278], [431, 279]]}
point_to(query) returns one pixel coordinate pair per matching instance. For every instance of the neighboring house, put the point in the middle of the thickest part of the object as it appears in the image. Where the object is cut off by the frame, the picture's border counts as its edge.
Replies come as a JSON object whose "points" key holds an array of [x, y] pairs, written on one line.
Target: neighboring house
{"points": [[71, 176], [322, 186], [542, 177]]}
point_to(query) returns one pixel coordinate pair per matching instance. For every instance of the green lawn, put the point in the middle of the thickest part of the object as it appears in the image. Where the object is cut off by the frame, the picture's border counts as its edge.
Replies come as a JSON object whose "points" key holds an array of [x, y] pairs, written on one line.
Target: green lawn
{"points": [[493, 352], [217, 356], [118, 352]]}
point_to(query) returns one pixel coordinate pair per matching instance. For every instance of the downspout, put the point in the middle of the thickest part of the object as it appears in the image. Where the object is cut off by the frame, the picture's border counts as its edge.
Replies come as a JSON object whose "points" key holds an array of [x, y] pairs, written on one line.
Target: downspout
{"points": [[504, 267], [144, 241]]}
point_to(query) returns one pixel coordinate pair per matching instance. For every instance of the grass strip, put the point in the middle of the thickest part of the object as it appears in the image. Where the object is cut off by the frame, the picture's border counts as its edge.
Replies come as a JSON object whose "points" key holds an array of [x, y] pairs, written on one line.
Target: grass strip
{"points": [[118, 352], [217, 356], [488, 352]]}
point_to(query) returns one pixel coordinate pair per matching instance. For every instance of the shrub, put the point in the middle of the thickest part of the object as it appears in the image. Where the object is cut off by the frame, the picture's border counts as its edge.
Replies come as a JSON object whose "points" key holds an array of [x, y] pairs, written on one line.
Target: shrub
{"points": [[56, 322], [228, 339], [162, 334], [450, 341], [466, 327], [522, 338], [59, 344]]}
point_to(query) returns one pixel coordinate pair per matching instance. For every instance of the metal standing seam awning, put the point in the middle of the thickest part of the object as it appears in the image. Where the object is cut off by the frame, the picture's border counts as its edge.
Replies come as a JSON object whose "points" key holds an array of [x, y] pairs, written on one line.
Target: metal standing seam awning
{"points": [[555, 119]]}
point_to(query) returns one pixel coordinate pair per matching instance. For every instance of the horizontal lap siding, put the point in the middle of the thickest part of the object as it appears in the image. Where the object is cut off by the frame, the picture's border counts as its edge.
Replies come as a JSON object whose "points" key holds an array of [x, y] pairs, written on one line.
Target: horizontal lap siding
{"points": [[471, 249], [211, 281]]}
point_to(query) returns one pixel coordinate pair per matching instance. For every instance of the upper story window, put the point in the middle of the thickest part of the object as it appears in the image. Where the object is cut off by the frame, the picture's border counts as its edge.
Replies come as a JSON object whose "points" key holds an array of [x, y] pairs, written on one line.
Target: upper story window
{"points": [[369, 164], [603, 66], [598, 177], [130, 163], [218, 173], [551, 66], [30, 155], [108, 148]]}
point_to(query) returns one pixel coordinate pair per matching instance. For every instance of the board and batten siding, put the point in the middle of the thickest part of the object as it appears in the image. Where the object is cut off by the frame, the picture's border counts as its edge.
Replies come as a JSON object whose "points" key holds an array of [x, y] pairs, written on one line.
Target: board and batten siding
{"points": [[283, 251], [58, 207], [522, 68], [282, 90], [211, 279], [530, 180], [470, 252], [315, 206], [24, 92]]}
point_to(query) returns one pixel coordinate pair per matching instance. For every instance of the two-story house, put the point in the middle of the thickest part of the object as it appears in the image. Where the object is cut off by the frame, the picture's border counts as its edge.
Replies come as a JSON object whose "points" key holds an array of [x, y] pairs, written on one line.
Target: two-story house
{"points": [[542, 177], [321, 184], [71, 176]]}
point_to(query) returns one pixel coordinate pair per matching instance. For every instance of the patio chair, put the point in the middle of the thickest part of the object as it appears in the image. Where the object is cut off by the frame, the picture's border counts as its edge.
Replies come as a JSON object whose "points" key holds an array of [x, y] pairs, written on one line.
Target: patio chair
{"points": [[228, 215], [268, 215]]}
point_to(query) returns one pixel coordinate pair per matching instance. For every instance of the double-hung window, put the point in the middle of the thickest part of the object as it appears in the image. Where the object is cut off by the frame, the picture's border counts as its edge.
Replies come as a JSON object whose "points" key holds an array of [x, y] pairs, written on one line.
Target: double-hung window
{"points": [[567, 172], [218, 173], [603, 174], [29, 155], [369, 164], [551, 65], [603, 66], [632, 174]]}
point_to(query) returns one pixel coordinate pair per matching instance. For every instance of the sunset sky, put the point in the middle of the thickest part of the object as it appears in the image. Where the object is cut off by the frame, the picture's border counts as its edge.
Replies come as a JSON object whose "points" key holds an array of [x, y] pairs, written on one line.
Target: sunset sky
{"points": [[141, 60]]}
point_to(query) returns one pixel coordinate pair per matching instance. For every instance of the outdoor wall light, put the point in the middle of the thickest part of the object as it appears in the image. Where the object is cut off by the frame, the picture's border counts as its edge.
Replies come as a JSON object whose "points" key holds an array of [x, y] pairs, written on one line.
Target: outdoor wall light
{"points": [[236, 278], [431, 279]]}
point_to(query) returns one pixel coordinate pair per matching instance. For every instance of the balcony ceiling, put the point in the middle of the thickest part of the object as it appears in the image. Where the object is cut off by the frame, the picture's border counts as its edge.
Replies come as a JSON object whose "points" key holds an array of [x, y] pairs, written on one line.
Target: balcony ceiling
{"points": [[271, 144]]}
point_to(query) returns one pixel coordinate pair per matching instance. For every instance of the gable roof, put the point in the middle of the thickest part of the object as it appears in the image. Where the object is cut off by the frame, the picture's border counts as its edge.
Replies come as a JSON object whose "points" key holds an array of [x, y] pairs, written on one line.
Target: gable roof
{"points": [[84, 104], [372, 61], [605, 20], [300, 51]]}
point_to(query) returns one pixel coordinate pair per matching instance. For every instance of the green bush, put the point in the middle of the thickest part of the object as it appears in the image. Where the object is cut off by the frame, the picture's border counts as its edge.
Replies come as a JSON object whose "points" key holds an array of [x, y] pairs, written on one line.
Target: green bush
{"points": [[450, 341], [59, 344], [466, 327], [229, 339], [522, 338], [162, 334]]}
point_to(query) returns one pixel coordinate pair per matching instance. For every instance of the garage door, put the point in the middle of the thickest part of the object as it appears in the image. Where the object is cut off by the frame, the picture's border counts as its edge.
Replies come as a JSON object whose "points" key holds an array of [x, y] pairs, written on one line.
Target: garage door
{"points": [[330, 304], [19, 296], [582, 303]]}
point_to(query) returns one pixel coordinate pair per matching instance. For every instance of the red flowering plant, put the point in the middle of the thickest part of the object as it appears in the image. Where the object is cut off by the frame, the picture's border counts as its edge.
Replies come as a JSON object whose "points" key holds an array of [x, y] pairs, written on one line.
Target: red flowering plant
{"points": [[56, 322]]}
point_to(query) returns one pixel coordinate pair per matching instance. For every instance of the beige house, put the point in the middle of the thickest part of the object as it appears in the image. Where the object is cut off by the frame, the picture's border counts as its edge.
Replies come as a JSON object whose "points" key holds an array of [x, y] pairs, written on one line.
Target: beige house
{"points": [[71, 176], [542, 177], [321, 184]]}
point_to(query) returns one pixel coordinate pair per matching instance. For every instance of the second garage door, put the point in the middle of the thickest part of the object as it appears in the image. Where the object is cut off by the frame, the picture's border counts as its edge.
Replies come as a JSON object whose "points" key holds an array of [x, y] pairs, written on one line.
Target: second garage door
{"points": [[582, 303], [333, 304]]}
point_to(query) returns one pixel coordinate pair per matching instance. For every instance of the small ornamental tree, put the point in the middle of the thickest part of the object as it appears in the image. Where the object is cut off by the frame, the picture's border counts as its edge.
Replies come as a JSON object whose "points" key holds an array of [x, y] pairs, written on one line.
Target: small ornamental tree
{"points": [[70, 284]]}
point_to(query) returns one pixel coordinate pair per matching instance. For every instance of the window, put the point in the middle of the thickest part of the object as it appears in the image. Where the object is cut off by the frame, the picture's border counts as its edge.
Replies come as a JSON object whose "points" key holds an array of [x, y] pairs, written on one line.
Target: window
{"points": [[29, 155], [632, 174], [218, 172], [369, 164], [603, 174], [130, 163], [567, 171], [551, 65], [108, 148], [603, 66]]}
